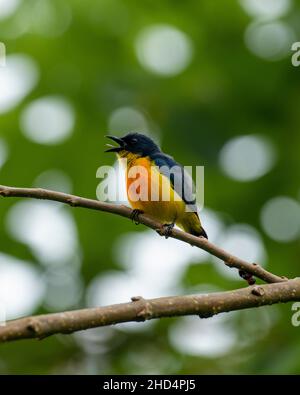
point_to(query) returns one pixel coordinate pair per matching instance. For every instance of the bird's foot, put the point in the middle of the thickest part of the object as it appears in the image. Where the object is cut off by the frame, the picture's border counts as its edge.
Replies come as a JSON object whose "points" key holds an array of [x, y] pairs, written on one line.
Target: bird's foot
{"points": [[247, 276], [134, 216], [167, 230]]}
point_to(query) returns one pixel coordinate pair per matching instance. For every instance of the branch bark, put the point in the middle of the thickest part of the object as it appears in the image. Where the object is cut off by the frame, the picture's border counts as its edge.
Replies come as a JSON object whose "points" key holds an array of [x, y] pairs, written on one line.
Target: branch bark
{"points": [[76, 201], [205, 305]]}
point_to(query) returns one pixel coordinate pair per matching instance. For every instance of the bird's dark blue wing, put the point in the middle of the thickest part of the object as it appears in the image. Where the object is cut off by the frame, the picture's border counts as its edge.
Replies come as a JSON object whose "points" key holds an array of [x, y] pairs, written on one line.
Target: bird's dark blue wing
{"points": [[180, 179]]}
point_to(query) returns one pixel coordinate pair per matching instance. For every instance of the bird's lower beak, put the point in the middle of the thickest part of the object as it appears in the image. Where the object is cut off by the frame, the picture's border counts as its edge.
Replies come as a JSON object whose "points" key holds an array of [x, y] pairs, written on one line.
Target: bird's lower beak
{"points": [[117, 140]]}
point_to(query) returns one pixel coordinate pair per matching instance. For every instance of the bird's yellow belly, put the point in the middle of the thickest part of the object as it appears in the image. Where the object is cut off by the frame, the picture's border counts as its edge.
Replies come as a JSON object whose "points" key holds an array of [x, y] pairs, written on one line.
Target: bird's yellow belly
{"points": [[160, 201], [166, 212]]}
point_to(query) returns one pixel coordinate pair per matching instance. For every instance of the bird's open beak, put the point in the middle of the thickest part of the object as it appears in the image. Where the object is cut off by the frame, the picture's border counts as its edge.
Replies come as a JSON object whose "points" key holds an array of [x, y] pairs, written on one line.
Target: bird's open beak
{"points": [[117, 140]]}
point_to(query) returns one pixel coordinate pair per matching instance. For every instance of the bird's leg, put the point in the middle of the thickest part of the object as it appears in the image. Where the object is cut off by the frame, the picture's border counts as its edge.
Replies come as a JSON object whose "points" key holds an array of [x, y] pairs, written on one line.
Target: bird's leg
{"points": [[247, 276], [168, 229], [134, 216]]}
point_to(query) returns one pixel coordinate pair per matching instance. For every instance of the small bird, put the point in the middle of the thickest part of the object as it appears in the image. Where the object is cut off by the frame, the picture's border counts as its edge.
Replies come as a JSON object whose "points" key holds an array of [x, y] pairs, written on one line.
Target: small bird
{"points": [[180, 208]]}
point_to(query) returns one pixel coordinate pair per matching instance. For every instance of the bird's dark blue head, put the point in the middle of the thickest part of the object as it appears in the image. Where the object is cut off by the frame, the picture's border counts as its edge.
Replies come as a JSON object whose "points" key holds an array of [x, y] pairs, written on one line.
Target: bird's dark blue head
{"points": [[135, 143]]}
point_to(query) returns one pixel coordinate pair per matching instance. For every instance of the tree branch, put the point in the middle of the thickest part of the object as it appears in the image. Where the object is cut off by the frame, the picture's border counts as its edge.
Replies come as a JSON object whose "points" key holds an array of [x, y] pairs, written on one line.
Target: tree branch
{"points": [[200, 242], [279, 290], [205, 305]]}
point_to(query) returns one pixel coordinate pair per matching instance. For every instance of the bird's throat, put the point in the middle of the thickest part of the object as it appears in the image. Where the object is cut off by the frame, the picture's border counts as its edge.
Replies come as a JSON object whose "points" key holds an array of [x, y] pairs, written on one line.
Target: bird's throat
{"points": [[131, 158]]}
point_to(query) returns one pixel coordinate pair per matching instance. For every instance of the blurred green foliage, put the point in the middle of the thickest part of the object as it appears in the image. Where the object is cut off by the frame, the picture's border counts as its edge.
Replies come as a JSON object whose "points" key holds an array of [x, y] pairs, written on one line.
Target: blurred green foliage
{"points": [[85, 52]]}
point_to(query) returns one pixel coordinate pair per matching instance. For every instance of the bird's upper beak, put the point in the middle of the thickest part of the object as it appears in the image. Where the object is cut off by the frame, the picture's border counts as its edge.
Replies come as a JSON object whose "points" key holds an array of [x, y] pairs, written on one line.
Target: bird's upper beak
{"points": [[117, 140]]}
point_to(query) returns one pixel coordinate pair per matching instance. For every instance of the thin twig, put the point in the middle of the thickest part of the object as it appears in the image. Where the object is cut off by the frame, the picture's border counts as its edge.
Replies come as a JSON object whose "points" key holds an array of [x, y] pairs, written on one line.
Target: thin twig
{"points": [[200, 242]]}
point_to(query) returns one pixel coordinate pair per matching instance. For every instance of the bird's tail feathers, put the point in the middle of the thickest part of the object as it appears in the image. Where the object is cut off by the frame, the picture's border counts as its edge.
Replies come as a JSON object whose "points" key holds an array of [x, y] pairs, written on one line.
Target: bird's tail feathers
{"points": [[203, 233], [192, 225]]}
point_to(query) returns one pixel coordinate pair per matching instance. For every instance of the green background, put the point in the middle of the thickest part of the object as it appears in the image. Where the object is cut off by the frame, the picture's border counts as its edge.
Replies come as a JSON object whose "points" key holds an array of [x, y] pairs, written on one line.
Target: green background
{"points": [[85, 53]]}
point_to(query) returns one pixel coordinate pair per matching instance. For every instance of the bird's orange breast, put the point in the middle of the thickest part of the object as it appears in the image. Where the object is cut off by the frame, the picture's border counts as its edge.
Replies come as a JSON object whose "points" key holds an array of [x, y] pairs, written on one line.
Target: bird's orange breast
{"points": [[150, 191], [138, 181]]}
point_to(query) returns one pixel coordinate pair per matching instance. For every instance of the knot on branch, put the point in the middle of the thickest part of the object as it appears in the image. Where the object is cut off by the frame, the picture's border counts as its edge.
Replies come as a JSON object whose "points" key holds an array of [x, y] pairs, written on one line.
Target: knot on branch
{"points": [[4, 192], [145, 310], [258, 291], [72, 201], [34, 327]]}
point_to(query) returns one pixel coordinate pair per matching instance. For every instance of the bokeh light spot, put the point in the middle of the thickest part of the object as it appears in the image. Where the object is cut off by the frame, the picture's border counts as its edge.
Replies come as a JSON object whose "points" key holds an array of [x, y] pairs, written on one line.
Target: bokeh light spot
{"points": [[246, 158], [55, 180], [21, 287], [8, 7], [244, 241], [50, 18], [63, 287], [280, 219], [211, 337], [127, 119], [267, 9], [157, 264], [48, 120], [101, 292], [269, 40], [164, 50], [47, 228], [17, 79]]}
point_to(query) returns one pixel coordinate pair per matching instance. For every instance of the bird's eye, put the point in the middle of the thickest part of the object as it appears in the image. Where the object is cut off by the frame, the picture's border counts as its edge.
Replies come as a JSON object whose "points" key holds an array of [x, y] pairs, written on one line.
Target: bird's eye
{"points": [[134, 141]]}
